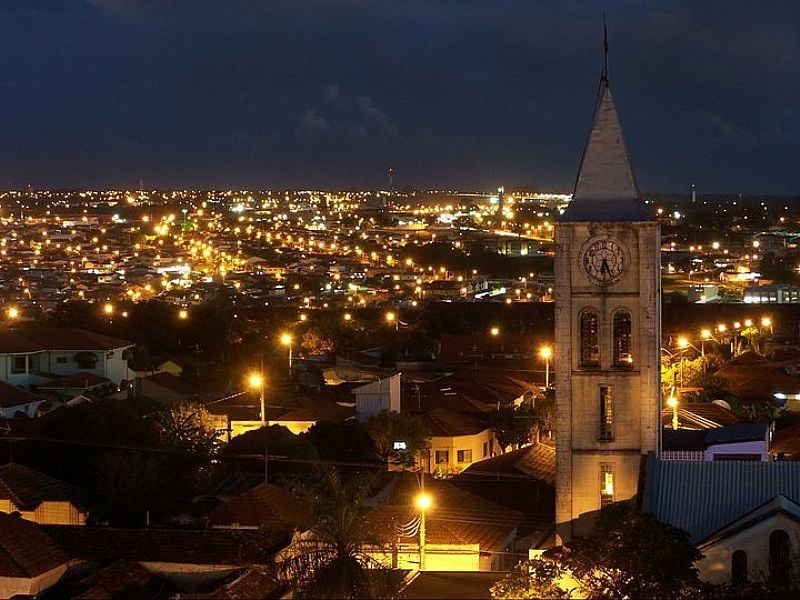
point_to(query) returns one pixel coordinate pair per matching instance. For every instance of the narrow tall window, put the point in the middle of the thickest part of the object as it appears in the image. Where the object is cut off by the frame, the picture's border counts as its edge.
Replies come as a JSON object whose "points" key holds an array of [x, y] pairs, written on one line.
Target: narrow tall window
{"points": [[606, 413], [622, 339], [606, 485], [780, 562], [590, 344], [739, 567]]}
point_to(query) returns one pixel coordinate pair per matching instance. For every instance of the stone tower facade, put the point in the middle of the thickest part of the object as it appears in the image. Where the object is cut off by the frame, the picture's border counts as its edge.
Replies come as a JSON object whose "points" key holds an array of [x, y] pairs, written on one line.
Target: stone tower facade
{"points": [[607, 328]]}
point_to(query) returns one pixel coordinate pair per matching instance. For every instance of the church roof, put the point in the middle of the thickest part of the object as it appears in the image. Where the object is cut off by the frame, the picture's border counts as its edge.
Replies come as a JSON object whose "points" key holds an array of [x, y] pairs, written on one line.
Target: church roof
{"points": [[605, 189]]}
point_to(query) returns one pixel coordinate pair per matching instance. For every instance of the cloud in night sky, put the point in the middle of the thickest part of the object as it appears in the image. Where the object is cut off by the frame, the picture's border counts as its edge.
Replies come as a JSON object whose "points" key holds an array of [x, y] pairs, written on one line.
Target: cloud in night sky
{"points": [[456, 93]]}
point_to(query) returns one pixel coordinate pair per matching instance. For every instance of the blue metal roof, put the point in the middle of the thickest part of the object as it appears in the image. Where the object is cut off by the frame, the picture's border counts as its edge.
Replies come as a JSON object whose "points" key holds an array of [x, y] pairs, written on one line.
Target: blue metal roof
{"points": [[703, 497]]}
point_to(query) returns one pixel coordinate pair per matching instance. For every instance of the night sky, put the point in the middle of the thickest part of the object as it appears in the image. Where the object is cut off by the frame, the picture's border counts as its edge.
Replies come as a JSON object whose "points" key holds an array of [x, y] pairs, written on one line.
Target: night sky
{"points": [[451, 93]]}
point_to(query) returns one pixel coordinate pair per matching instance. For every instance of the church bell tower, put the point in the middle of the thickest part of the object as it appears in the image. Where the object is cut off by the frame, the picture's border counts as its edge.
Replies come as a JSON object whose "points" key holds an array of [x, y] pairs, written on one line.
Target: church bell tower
{"points": [[607, 329]]}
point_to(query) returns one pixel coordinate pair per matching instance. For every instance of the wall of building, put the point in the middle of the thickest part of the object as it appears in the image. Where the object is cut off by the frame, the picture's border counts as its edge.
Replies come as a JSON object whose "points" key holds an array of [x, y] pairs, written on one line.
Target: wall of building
{"points": [[48, 513], [473, 443], [716, 566]]}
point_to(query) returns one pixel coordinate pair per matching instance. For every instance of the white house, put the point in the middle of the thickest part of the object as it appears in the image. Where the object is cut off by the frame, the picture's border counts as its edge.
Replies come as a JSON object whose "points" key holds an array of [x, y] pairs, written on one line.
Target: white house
{"points": [[33, 356]]}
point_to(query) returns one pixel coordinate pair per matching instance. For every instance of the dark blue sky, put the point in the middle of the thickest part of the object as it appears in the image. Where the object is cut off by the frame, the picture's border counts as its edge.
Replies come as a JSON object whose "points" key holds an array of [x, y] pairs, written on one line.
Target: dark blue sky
{"points": [[451, 93]]}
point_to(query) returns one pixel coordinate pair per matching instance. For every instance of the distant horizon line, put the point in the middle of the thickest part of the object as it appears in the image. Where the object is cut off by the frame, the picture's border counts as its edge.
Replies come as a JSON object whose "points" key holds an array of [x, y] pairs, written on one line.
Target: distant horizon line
{"points": [[408, 189]]}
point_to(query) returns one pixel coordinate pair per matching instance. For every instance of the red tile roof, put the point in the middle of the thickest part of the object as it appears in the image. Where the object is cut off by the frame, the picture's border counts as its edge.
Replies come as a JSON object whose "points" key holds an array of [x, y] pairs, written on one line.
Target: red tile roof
{"points": [[441, 422], [265, 506], [11, 395], [68, 339], [206, 547], [456, 516], [537, 461], [27, 488], [25, 550]]}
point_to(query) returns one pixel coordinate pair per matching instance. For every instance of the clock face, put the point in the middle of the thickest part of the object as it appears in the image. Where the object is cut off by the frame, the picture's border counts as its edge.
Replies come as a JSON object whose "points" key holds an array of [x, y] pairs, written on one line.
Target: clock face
{"points": [[603, 260]]}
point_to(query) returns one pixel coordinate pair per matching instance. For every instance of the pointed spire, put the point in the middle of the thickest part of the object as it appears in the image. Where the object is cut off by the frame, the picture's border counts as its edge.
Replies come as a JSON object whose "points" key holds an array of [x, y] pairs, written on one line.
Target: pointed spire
{"points": [[605, 189]]}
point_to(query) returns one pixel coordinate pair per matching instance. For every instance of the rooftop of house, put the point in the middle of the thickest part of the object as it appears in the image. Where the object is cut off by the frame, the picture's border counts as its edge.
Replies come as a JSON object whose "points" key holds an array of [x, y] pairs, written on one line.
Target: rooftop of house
{"points": [[441, 422], [702, 497], [205, 547], [265, 506], [700, 415], [11, 396], [66, 339], [28, 488], [455, 517], [537, 461], [25, 550]]}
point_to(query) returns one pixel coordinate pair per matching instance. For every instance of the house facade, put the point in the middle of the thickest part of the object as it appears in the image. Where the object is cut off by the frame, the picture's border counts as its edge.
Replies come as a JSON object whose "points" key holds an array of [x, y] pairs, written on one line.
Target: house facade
{"points": [[33, 356]]}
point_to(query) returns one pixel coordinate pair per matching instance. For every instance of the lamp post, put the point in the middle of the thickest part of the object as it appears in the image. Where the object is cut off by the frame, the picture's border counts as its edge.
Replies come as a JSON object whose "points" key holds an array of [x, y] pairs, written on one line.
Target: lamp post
{"points": [[546, 352], [672, 402], [683, 343], [423, 502], [391, 318], [286, 340], [256, 381]]}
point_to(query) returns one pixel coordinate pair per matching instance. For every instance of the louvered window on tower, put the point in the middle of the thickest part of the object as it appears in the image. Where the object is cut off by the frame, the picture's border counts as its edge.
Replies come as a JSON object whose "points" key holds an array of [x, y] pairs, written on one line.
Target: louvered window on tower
{"points": [[606, 485], [606, 432], [590, 343], [622, 339]]}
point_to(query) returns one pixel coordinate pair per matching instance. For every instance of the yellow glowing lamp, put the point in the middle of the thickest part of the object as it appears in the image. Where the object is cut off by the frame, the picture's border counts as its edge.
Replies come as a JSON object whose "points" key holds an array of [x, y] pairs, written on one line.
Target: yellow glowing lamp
{"points": [[766, 322], [286, 339], [546, 352], [108, 308], [256, 380], [13, 313], [748, 322], [183, 314], [347, 316], [705, 334], [495, 331], [390, 317], [423, 501], [683, 343], [672, 402]]}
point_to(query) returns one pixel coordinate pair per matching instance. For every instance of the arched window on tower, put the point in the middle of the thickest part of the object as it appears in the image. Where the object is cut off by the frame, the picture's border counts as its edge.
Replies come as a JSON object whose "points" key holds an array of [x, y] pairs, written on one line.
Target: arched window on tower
{"points": [[623, 339], [739, 567], [590, 339], [780, 562]]}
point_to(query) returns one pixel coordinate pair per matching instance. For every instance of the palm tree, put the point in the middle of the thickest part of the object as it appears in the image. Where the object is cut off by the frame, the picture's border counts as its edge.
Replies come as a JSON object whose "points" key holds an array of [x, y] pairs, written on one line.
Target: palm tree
{"points": [[331, 561]]}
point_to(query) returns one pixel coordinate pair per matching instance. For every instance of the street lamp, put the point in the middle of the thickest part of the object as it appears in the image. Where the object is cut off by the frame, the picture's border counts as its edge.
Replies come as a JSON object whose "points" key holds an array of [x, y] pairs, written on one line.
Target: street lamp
{"points": [[672, 402], [767, 322], [286, 340], [13, 313], [183, 314], [391, 318], [546, 352], [423, 502], [256, 381], [495, 331], [683, 343]]}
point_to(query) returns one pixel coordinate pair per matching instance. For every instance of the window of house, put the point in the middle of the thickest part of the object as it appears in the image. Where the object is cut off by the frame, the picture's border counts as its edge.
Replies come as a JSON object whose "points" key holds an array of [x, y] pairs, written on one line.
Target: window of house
{"points": [[739, 567], [62, 360], [780, 563], [19, 365], [590, 343], [606, 485], [442, 457], [606, 413], [485, 449], [464, 456], [622, 339]]}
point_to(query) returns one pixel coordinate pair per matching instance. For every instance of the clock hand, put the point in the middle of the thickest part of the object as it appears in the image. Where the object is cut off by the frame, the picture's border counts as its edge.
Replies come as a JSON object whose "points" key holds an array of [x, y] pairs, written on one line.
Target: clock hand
{"points": [[604, 267]]}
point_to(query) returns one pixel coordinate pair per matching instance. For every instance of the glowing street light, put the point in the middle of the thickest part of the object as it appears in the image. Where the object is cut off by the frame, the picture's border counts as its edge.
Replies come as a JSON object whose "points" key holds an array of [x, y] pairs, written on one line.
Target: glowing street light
{"points": [[767, 322], [108, 308], [286, 340], [348, 316], [13, 313], [183, 314], [391, 318], [672, 402], [546, 353], [423, 502], [495, 331]]}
